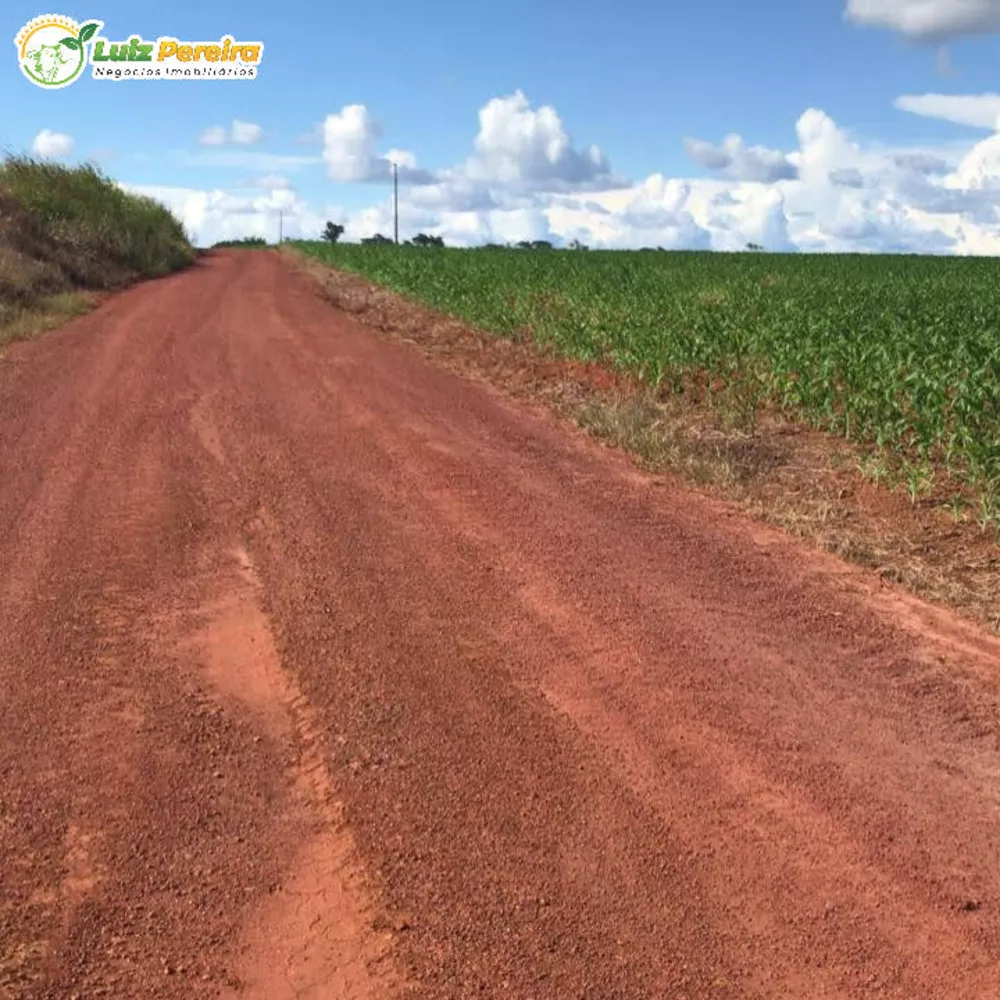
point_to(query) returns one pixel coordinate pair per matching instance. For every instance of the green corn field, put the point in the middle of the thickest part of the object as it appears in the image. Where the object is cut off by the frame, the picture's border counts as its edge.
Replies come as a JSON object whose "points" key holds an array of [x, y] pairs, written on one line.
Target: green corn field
{"points": [[901, 354]]}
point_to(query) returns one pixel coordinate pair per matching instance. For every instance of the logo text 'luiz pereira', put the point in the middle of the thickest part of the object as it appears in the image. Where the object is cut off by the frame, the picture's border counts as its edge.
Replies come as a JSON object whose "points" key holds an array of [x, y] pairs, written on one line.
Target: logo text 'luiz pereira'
{"points": [[53, 52]]}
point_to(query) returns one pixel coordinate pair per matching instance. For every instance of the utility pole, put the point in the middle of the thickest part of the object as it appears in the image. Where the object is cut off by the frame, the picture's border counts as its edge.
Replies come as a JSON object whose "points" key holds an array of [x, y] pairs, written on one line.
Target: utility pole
{"points": [[281, 225], [395, 202]]}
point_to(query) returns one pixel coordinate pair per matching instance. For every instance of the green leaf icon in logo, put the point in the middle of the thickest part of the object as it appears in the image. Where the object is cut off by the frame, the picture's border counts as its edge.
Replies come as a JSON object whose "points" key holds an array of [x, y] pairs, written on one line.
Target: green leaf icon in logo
{"points": [[88, 31], [71, 43]]}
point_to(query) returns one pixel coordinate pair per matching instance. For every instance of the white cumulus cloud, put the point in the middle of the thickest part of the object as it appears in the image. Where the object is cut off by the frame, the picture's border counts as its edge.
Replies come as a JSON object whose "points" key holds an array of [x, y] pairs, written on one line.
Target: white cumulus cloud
{"points": [[52, 145], [928, 20], [350, 141], [240, 133], [979, 170], [846, 196], [245, 133], [847, 177], [517, 144], [734, 159], [526, 179], [921, 162], [219, 214], [402, 158], [350, 150], [975, 110], [832, 193]]}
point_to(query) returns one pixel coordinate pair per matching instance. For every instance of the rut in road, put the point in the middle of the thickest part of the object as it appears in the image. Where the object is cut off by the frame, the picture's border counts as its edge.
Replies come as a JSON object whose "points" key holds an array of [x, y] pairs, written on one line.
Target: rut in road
{"points": [[326, 673]]}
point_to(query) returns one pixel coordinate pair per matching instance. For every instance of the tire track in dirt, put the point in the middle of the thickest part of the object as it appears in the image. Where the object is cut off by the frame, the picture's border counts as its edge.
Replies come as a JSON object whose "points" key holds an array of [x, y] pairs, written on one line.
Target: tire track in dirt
{"points": [[313, 939]]}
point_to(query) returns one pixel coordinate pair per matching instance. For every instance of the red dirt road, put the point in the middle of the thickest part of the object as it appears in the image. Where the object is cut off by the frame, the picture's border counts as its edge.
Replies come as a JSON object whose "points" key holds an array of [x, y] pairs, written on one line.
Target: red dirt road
{"points": [[327, 674]]}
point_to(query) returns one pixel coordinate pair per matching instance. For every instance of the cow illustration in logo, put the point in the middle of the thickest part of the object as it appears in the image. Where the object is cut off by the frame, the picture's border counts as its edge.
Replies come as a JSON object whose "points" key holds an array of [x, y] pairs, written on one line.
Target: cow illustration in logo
{"points": [[52, 49]]}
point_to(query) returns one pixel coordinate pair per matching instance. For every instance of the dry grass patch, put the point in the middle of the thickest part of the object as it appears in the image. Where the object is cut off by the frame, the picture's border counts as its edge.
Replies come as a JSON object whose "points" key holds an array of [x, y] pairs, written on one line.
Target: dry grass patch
{"points": [[46, 314]]}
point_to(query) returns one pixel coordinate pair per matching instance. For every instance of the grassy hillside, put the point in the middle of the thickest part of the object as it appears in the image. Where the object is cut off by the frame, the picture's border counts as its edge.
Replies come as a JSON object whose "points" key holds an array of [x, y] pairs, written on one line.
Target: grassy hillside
{"points": [[65, 231]]}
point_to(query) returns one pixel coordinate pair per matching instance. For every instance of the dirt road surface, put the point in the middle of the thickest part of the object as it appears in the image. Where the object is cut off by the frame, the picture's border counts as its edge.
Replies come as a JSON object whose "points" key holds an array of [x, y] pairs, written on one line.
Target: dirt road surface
{"points": [[325, 674]]}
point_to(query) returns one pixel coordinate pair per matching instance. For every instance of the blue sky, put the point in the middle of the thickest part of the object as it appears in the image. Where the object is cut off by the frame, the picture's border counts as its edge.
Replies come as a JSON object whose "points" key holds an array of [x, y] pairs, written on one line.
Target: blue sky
{"points": [[635, 78]]}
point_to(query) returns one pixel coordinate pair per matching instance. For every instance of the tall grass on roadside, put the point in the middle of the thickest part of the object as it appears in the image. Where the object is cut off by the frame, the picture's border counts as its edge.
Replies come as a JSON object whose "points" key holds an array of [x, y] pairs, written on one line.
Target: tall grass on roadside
{"points": [[66, 229]]}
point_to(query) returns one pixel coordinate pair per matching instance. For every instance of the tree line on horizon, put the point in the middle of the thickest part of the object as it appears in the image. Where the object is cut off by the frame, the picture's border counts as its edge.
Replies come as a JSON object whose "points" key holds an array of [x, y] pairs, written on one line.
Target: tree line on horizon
{"points": [[333, 231]]}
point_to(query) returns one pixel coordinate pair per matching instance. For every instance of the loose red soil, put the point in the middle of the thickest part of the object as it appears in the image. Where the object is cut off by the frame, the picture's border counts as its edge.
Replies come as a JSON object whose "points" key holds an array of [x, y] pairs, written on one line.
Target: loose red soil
{"points": [[326, 673]]}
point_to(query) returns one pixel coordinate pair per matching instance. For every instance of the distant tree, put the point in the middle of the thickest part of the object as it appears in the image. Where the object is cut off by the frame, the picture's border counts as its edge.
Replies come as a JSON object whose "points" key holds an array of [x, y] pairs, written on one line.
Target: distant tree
{"points": [[423, 240], [535, 245], [577, 245], [333, 232], [377, 240], [755, 247]]}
